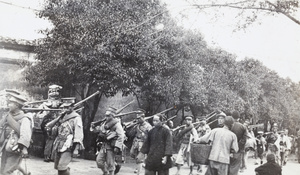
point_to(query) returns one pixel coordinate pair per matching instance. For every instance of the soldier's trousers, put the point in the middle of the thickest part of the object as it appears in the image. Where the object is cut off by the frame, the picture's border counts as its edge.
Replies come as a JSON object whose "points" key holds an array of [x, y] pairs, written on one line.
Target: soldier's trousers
{"points": [[235, 163], [9, 162], [106, 160]]}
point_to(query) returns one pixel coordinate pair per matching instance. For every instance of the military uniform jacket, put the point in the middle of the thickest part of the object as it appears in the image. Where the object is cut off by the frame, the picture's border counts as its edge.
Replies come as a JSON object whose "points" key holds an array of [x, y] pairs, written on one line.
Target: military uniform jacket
{"points": [[70, 130], [142, 131], [25, 123], [112, 133]]}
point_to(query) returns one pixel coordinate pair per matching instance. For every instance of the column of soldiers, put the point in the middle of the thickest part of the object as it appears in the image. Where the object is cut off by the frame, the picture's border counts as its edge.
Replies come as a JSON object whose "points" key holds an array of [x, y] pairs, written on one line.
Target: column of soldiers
{"points": [[152, 145], [16, 131]]}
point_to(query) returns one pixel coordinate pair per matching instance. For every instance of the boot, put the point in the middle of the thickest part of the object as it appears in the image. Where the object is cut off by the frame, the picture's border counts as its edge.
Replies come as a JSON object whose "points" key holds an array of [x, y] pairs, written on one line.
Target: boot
{"points": [[118, 167], [64, 172]]}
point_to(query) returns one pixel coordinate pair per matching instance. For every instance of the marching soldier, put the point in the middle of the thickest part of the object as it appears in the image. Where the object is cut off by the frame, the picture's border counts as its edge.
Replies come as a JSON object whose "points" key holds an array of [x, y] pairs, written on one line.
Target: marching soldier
{"points": [[271, 139], [187, 136], [16, 132], [141, 132], [111, 137], [53, 102], [284, 146], [69, 136]]}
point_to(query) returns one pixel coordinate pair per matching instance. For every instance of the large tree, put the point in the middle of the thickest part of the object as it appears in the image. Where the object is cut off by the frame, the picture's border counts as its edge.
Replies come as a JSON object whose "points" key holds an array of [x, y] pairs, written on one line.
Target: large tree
{"points": [[135, 47], [110, 47]]}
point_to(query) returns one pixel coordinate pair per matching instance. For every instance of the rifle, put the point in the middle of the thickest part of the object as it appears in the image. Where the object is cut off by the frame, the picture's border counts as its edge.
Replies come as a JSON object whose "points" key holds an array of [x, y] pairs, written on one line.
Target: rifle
{"points": [[255, 126], [4, 108], [40, 109], [130, 124], [164, 111], [34, 102], [178, 127], [86, 99], [121, 109], [134, 122], [93, 124], [75, 105], [211, 115], [122, 114], [171, 118]]}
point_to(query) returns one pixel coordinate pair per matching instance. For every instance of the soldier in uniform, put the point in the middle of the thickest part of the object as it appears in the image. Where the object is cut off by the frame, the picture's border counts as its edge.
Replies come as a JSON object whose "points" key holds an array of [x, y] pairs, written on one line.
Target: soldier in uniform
{"points": [[17, 131], [187, 136], [53, 102], [69, 136], [271, 139], [202, 129], [111, 137], [141, 132], [284, 146]]}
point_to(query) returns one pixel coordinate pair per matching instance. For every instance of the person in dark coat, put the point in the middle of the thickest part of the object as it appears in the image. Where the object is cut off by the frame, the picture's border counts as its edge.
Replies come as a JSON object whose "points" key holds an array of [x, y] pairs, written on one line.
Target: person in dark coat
{"points": [[269, 168], [158, 147], [241, 133]]}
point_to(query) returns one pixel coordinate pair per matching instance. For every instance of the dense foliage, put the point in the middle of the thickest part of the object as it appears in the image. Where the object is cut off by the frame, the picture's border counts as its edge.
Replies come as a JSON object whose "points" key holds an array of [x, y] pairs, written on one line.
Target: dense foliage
{"points": [[122, 46]]}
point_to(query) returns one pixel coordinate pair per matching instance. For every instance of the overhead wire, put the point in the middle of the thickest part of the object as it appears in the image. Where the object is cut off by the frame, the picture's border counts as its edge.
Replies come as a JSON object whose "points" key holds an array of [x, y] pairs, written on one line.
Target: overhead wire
{"points": [[15, 5]]}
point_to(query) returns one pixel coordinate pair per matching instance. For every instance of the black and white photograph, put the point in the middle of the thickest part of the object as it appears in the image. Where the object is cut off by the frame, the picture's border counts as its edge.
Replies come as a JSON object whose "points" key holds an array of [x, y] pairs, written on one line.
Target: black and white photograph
{"points": [[149, 87]]}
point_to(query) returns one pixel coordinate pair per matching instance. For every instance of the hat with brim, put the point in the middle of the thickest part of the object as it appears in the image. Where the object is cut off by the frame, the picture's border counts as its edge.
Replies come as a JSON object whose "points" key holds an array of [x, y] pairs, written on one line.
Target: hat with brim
{"points": [[67, 102], [203, 122], [111, 110], [16, 98], [222, 114], [188, 117], [54, 86], [140, 111], [260, 132]]}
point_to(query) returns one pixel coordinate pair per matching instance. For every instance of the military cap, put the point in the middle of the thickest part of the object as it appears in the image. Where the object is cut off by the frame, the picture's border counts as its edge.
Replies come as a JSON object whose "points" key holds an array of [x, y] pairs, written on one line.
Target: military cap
{"points": [[17, 98], [221, 114], [140, 111], [188, 117], [55, 86], [68, 101], [111, 110], [260, 132], [202, 122]]}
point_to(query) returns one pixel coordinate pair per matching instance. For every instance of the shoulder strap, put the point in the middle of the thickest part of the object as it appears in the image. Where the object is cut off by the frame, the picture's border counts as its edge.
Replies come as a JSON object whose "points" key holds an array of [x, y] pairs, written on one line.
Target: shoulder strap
{"points": [[13, 124], [69, 117]]}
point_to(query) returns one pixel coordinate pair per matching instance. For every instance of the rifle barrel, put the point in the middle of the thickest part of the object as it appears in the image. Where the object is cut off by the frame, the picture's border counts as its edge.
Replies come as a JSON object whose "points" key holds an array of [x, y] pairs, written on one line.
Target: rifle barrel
{"points": [[166, 110], [212, 121], [171, 118], [122, 114], [87, 98], [38, 109], [33, 102], [121, 109], [211, 116]]}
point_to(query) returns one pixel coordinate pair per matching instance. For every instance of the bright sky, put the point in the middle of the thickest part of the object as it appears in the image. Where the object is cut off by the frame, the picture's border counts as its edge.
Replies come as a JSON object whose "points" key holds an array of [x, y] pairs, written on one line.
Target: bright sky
{"points": [[275, 42]]}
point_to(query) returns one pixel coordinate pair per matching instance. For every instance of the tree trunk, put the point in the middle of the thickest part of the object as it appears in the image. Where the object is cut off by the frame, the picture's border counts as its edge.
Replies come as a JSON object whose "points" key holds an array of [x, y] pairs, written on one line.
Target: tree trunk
{"points": [[89, 114]]}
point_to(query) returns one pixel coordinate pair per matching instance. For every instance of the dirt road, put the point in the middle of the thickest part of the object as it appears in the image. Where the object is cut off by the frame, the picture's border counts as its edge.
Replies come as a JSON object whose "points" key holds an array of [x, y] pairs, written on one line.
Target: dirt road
{"points": [[87, 167]]}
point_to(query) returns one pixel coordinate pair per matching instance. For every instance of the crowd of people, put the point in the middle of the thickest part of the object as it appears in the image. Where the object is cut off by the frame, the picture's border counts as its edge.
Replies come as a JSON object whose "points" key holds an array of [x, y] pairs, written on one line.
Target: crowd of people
{"points": [[152, 147]]}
